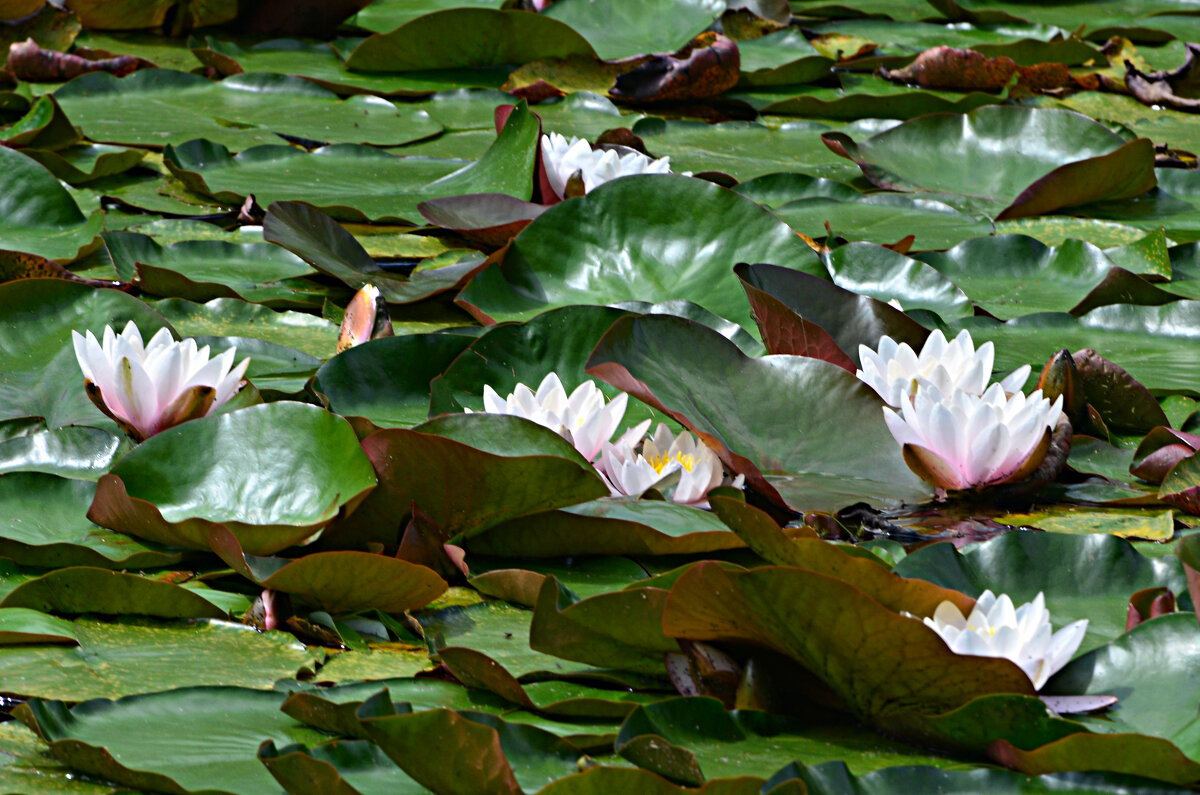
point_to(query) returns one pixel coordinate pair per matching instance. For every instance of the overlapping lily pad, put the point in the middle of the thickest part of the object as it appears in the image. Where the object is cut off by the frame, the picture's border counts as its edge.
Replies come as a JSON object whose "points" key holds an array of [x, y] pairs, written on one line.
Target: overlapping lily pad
{"points": [[629, 240], [1023, 161], [157, 107], [37, 215], [273, 474]]}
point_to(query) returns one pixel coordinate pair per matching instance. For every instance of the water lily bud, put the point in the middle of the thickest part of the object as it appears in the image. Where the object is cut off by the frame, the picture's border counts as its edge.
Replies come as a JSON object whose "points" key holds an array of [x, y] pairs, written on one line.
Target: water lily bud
{"points": [[148, 388], [366, 319], [1058, 378]]}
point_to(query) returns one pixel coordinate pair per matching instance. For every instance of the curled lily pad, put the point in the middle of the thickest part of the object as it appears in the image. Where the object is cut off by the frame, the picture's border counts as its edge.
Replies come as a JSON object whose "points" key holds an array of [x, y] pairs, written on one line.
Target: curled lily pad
{"points": [[1041, 160], [467, 473], [343, 581], [273, 474]]}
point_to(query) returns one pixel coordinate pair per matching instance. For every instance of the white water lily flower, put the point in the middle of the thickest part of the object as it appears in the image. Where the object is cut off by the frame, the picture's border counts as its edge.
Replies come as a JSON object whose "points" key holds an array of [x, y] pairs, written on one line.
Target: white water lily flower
{"points": [[562, 158], [996, 629], [895, 370], [663, 454], [582, 418], [147, 388], [964, 441]]}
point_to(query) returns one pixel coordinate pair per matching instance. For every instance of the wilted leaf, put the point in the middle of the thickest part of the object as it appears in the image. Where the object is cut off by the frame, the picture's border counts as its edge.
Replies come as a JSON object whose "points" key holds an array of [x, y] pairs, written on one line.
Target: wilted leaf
{"points": [[28, 61], [1177, 88], [706, 67], [968, 70]]}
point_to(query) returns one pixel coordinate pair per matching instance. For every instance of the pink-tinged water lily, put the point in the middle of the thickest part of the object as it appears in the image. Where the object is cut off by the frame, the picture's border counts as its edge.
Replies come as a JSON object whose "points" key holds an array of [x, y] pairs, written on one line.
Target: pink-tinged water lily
{"points": [[147, 388], [966, 441], [583, 417], [563, 158], [996, 629], [664, 454], [895, 370]]}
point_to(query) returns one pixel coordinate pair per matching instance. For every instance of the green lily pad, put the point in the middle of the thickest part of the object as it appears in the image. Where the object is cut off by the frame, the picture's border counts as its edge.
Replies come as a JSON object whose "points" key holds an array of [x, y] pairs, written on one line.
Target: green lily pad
{"points": [[214, 734], [140, 656], [45, 525], [785, 441], [694, 739], [350, 181], [628, 240], [79, 589], [73, 451], [1152, 343], [26, 625], [503, 630], [1104, 572], [860, 97], [86, 162], [202, 270], [609, 527], [280, 173], [1013, 275], [467, 37], [1022, 161], [274, 474], [26, 765], [633, 27], [155, 107], [885, 275], [320, 63], [229, 317], [388, 380], [882, 217], [782, 58], [37, 215], [744, 150], [1152, 670]]}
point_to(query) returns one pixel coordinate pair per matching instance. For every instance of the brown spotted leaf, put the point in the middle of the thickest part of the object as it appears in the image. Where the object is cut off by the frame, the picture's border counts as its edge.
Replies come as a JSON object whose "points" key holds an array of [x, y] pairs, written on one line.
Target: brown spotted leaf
{"points": [[954, 69], [28, 61], [1178, 89], [19, 265], [709, 65]]}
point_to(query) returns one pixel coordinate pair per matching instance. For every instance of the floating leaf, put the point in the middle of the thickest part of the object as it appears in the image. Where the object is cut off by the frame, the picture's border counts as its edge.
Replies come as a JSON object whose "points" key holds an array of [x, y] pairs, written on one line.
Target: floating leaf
{"points": [[477, 37], [343, 581], [1078, 160], [628, 240], [274, 474], [132, 656]]}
